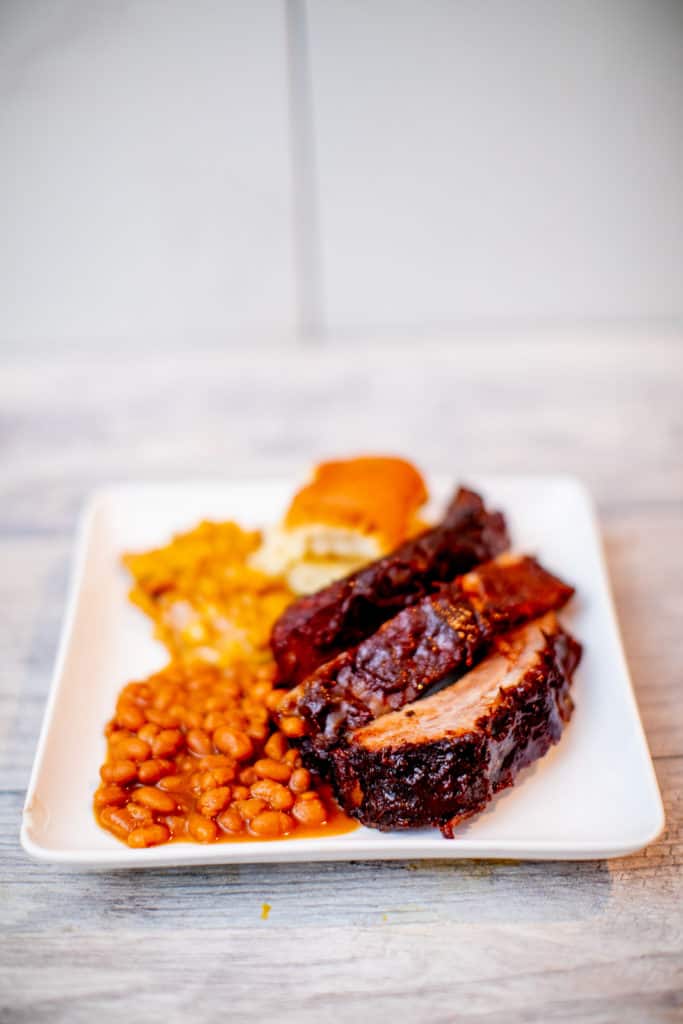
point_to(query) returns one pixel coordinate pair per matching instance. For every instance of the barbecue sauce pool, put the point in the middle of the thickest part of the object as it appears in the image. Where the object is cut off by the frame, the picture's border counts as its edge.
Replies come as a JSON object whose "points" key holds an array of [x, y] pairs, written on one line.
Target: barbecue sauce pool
{"points": [[337, 824]]}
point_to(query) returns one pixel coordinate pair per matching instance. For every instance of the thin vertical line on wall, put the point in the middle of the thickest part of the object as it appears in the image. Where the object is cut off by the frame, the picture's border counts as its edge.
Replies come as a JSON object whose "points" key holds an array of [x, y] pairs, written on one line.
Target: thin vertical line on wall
{"points": [[306, 226]]}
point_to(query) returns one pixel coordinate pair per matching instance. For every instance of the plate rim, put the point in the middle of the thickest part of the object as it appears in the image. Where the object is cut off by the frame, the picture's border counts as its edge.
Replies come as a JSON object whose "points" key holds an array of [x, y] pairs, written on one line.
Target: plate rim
{"points": [[294, 850]]}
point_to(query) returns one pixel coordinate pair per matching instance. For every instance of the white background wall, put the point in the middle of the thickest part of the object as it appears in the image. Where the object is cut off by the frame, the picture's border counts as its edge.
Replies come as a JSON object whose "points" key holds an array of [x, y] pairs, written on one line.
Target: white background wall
{"points": [[174, 173], [145, 179]]}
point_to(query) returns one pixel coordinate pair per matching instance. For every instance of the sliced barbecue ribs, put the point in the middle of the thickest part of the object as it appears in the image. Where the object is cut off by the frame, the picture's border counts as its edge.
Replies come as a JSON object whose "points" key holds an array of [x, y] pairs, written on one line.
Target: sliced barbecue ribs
{"points": [[441, 759], [317, 627], [443, 633]]}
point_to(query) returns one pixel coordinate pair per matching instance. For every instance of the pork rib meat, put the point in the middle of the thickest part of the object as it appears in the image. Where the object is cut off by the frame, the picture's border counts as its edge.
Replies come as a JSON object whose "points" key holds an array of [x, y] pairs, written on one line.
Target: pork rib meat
{"points": [[445, 632], [441, 759], [317, 627]]}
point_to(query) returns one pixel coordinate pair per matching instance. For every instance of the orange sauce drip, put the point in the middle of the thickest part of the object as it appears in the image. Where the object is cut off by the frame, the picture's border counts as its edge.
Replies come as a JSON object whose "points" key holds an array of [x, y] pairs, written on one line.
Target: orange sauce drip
{"points": [[337, 824]]}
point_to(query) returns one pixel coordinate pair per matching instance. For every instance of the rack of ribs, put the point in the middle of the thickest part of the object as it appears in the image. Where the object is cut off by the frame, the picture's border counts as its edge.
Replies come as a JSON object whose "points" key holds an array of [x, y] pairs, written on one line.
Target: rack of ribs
{"points": [[445, 632], [443, 758], [317, 627]]}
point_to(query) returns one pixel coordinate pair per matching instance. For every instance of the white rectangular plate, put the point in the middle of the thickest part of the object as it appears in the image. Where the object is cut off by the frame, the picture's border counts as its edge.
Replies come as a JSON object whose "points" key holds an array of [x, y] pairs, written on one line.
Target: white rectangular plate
{"points": [[594, 795]]}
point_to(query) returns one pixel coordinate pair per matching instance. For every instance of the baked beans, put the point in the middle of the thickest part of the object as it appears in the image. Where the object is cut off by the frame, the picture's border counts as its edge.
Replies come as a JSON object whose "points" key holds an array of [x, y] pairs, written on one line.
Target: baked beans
{"points": [[193, 752], [193, 755]]}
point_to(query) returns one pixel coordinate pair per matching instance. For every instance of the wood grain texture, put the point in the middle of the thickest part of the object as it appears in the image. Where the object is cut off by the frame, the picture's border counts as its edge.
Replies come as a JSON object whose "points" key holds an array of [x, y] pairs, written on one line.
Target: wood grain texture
{"points": [[430, 941]]}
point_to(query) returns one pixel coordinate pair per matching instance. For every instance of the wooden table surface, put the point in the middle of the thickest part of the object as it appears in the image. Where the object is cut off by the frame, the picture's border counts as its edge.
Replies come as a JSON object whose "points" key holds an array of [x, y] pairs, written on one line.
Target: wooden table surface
{"points": [[431, 941]]}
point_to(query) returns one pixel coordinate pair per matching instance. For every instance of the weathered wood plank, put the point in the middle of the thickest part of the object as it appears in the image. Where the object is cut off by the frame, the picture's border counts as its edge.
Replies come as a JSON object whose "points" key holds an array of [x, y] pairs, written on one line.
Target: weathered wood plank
{"points": [[433, 941], [595, 941], [610, 413], [645, 558], [408, 973], [411, 892]]}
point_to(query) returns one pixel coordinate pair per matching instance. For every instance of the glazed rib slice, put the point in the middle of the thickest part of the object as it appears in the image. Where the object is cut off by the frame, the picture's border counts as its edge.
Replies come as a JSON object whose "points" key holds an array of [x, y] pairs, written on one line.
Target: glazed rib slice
{"points": [[441, 759], [317, 627], [443, 633]]}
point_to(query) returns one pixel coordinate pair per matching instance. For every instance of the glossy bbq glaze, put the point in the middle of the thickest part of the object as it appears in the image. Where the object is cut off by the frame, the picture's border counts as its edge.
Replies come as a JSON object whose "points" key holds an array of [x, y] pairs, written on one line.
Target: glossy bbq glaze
{"points": [[443, 633], [316, 628], [442, 759]]}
